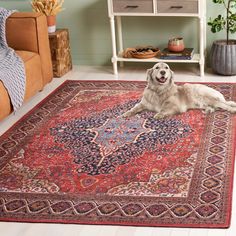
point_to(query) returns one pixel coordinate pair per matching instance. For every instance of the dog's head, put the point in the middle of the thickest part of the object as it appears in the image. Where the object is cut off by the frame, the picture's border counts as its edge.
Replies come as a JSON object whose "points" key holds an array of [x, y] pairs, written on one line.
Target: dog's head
{"points": [[160, 74]]}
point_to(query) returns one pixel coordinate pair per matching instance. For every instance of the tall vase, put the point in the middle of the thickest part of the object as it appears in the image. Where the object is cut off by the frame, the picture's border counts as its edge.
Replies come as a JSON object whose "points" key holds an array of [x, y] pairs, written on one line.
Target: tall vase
{"points": [[51, 20]]}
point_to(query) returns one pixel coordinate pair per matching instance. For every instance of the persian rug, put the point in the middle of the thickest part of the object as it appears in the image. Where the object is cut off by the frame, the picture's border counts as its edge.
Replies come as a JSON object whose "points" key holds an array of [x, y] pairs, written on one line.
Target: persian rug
{"points": [[75, 159]]}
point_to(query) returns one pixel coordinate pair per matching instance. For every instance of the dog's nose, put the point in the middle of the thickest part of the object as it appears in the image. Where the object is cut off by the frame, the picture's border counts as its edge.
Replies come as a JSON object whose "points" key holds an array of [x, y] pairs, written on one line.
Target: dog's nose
{"points": [[162, 72]]}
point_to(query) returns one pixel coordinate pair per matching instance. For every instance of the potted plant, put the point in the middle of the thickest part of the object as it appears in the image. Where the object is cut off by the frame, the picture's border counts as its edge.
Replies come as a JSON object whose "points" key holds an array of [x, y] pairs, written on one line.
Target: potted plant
{"points": [[50, 8], [223, 52]]}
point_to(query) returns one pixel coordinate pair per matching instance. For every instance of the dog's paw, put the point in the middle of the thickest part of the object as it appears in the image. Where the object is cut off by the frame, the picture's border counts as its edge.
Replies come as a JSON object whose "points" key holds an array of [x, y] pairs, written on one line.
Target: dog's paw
{"points": [[159, 116], [232, 110], [208, 110], [127, 114]]}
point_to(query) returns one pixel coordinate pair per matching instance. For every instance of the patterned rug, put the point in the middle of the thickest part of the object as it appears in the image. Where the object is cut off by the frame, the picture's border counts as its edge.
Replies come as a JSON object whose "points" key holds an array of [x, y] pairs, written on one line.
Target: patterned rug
{"points": [[74, 159]]}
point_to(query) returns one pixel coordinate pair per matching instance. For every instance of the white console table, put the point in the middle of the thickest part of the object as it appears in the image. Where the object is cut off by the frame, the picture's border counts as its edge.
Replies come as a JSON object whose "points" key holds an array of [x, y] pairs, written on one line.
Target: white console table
{"points": [[158, 8]]}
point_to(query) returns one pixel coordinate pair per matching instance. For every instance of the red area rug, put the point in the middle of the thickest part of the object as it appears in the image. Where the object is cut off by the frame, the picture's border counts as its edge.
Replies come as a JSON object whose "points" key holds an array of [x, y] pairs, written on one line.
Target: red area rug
{"points": [[74, 159]]}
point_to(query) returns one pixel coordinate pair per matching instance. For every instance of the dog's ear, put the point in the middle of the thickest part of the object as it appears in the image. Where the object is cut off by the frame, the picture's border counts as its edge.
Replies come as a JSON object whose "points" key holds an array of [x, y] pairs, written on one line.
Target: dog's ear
{"points": [[171, 77], [172, 74], [149, 74]]}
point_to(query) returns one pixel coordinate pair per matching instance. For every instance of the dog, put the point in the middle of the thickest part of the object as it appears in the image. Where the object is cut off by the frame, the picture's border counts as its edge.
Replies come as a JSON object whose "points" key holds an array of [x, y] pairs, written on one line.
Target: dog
{"points": [[166, 98]]}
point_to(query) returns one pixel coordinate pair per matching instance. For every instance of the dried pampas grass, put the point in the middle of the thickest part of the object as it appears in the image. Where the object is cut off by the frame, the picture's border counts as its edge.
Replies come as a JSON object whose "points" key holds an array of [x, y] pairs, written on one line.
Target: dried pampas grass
{"points": [[47, 7]]}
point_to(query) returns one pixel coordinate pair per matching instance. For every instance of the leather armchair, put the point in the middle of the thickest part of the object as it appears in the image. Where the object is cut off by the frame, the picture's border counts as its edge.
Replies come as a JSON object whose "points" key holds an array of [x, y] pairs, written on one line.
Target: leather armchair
{"points": [[27, 34]]}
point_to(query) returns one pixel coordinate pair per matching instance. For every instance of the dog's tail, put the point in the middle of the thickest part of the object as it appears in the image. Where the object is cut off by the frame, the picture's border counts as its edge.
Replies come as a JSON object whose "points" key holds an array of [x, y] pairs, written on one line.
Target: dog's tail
{"points": [[226, 105]]}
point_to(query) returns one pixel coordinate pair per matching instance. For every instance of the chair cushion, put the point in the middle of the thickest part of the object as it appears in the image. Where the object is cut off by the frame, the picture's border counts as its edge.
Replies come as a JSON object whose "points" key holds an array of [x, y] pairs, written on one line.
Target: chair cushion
{"points": [[34, 80], [26, 55]]}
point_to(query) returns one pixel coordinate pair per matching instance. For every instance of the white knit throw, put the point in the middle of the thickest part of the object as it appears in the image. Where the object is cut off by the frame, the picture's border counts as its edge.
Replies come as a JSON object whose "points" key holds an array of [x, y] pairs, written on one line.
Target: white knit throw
{"points": [[12, 71]]}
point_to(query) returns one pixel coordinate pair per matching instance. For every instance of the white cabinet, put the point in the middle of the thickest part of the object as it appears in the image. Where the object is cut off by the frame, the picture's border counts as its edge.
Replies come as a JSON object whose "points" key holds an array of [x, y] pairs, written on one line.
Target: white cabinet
{"points": [[156, 8]]}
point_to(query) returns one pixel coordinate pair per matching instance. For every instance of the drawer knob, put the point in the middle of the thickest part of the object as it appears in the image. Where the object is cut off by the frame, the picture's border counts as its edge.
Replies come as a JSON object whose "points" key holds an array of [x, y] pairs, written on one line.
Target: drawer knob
{"points": [[176, 7], [132, 6]]}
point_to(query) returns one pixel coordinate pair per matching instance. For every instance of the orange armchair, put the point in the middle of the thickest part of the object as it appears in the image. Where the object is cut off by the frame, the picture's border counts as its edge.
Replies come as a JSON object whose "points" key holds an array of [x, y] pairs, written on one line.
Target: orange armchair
{"points": [[27, 34]]}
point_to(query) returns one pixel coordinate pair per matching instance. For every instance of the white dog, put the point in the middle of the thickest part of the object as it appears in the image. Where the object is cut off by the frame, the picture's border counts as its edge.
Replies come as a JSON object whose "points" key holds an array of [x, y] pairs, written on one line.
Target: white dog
{"points": [[166, 98]]}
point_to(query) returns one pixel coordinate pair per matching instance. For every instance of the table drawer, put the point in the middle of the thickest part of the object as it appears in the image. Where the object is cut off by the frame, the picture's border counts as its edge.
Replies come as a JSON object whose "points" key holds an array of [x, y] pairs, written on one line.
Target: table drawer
{"points": [[181, 6], [133, 6]]}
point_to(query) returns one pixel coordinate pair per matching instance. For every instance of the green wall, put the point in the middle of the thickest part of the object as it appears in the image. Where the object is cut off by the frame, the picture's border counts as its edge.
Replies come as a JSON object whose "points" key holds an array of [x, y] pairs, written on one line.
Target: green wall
{"points": [[89, 28]]}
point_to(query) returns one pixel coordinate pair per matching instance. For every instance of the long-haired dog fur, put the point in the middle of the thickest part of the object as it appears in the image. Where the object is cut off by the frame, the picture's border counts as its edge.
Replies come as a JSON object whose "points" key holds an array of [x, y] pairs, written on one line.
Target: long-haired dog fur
{"points": [[166, 98]]}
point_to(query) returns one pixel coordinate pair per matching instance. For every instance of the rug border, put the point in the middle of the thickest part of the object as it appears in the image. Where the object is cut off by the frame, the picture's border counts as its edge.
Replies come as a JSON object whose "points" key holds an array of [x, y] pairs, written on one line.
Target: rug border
{"points": [[107, 223], [229, 211], [229, 217]]}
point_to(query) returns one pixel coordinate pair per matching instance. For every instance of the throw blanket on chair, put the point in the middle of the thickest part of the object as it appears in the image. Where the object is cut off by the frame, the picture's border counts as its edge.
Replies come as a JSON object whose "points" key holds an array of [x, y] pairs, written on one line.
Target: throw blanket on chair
{"points": [[12, 71]]}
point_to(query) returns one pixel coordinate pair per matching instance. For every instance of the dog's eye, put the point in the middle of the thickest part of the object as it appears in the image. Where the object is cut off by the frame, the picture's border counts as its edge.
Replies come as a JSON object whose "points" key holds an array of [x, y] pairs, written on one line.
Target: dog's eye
{"points": [[158, 68], [166, 68]]}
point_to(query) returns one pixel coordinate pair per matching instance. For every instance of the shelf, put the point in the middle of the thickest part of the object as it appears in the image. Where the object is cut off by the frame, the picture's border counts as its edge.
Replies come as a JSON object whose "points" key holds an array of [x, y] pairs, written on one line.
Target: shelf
{"points": [[195, 59], [196, 10]]}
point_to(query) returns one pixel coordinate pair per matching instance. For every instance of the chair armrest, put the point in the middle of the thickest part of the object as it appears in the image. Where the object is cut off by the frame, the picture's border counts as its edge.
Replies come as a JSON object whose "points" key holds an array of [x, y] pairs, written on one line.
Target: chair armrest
{"points": [[28, 31]]}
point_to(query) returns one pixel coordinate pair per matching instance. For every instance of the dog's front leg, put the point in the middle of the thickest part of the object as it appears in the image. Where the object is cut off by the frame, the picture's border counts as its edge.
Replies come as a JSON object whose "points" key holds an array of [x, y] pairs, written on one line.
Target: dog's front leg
{"points": [[159, 116], [133, 111], [167, 112]]}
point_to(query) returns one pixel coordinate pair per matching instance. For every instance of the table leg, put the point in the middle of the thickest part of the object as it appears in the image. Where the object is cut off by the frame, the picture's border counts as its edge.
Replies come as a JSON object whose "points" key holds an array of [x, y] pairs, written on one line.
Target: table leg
{"points": [[202, 69], [120, 37], [202, 46], [114, 51]]}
